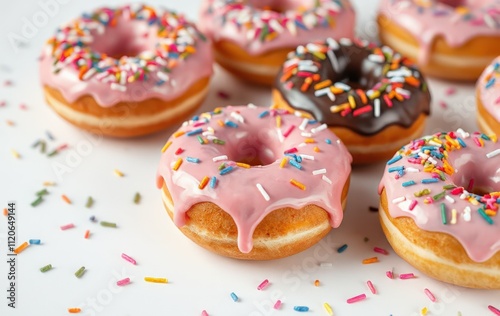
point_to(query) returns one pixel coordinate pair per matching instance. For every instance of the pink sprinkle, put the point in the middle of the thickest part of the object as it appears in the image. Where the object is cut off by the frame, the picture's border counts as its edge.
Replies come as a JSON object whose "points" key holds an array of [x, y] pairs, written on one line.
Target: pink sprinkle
{"points": [[291, 150], [3, 103], [495, 310], [450, 91], [23, 106], [63, 146], [356, 298], [413, 204], [443, 104], [129, 259], [7, 83], [123, 282], [288, 131], [389, 274], [497, 101], [477, 142], [406, 276], [223, 95], [430, 295], [263, 285], [381, 250], [371, 287], [68, 226], [277, 305], [471, 185], [204, 313]]}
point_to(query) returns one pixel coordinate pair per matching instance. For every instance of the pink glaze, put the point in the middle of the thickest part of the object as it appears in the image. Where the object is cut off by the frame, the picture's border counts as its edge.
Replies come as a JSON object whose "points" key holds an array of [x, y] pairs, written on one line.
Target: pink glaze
{"points": [[488, 87], [289, 34], [480, 239], [236, 192], [428, 19], [135, 38]]}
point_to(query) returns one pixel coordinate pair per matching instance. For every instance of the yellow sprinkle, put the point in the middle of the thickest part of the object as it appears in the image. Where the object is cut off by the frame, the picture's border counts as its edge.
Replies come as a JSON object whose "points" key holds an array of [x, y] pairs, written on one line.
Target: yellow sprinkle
{"points": [[319, 55], [462, 10], [370, 260], [118, 173], [375, 95], [493, 137], [178, 134], [309, 141], [278, 121], [316, 149], [490, 212], [155, 280], [220, 123], [49, 184], [165, 147], [328, 309], [177, 164], [15, 154], [473, 201], [297, 184], [203, 183], [352, 101], [323, 84], [66, 199], [243, 165], [283, 162], [423, 311], [23, 246], [481, 141]]}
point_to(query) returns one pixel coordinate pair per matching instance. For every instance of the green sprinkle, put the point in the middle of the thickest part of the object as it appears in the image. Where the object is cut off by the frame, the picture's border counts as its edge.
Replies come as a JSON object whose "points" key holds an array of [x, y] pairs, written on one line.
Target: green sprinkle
{"points": [[449, 187], [43, 145], [90, 202], [53, 153], [108, 224], [485, 216], [439, 196], [80, 272], [200, 139], [222, 166], [219, 141], [42, 192], [37, 201], [46, 268], [137, 198], [443, 214], [422, 193]]}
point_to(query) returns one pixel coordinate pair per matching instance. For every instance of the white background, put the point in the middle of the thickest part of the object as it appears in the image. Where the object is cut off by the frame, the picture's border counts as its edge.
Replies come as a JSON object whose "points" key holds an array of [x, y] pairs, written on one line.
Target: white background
{"points": [[197, 279]]}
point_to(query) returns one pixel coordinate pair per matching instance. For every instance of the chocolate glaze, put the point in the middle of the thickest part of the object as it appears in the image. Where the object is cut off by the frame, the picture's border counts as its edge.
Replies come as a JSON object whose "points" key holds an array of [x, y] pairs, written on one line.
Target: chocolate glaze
{"points": [[359, 72]]}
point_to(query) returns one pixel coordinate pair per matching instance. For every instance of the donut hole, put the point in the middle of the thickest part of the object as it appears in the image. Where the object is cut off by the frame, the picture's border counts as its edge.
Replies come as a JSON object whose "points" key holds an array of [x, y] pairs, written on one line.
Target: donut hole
{"points": [[280, 6], [259, 148], [477, 178], [465, 3], [126, 38]]}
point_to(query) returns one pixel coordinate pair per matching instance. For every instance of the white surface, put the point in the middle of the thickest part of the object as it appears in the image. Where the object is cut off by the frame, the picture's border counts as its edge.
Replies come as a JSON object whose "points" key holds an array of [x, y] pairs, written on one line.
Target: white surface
{"points": [[197, 279]]}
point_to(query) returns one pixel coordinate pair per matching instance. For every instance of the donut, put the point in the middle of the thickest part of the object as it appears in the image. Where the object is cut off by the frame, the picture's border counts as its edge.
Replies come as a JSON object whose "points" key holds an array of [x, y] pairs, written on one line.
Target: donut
{"points": [[126, 71], [253, 183], [371, 97], [488, 99], [439, 199], [449, 39], [251, 38]]}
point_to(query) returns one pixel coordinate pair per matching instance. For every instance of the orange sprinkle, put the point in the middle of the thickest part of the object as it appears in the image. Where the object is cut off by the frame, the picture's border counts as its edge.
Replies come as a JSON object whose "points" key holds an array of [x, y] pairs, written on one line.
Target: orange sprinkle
{"points": [[283, 162], [412, 81], [74, 310], [305, 86], [48, 184], [278, 121], [5, 212], [220, 123], [297, 184], [399, 97], [362, 95], [23, 246], [316, 283], [177, 164], [178, 134], [165, 147], [203, 183], [323, 84], [243, 165], [316, 149], [286, 76], [336, 90], [271, 36], [370, 260], [87, 234], [66, 199], [10, 123], [315, 77], [490, 212]]}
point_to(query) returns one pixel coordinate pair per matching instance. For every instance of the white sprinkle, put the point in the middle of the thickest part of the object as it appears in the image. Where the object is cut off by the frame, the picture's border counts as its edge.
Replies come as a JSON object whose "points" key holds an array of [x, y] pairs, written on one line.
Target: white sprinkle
{"points": [[493, 153], [307, 157], [290, 25], [319, 128], [219, 158], [488, 19], [115, 86], [449, 199], [281, 138], [123, 78], [89, 73], [321, 92], [252, 106], [263, 192], [403, 92], [432, 160], [376, 105], [325, 178], [397, 79], [238, 117], [462, 133], [411, 169], [303, 125], [319, 171], [302, 145], [345, 41], [453, 216], [342, 86], [276, 26], [423, 155], [376, 58], [333, 61], [332, 44], [305, 134], [398, 200], [211, 137], [163, 76], [467, 214]]}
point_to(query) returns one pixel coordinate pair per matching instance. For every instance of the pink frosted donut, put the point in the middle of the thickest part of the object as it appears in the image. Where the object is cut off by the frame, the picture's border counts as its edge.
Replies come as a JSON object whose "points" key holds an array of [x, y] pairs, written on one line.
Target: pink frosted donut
{"points": [[451, 39], [126, 71], [488, 98], [440, 198], [252, 183], [252, 37]]}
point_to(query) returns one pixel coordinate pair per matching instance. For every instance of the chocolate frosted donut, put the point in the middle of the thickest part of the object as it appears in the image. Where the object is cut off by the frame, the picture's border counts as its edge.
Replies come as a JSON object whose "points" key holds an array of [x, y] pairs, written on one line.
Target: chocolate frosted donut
{"points": [[373, 98]]}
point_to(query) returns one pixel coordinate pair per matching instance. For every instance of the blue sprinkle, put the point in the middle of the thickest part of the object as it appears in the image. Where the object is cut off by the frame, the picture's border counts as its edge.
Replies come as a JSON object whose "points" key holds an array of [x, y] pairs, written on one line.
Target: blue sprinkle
{"points": [[226, 170], [193, 160], [328, 141], [342, 248], [234, 297], [231, 124], [490, 83], [34, 241], [195, 132], [395, 159], [430, 180], [213, 182], [93, 219], [301, 308], [424, 148], [312, 122], [485, 216], [264, 114], [436, 154], [498, 201], [408, 183], [295, 164], [461, 142], [392, 169], [195, 118]]}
